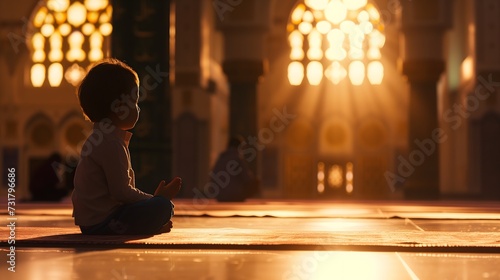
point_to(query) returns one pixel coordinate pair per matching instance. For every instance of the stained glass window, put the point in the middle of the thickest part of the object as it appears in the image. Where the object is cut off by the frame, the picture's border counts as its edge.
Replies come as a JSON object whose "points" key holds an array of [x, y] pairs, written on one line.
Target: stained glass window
{"points": [[66, 37], [336, 39]]}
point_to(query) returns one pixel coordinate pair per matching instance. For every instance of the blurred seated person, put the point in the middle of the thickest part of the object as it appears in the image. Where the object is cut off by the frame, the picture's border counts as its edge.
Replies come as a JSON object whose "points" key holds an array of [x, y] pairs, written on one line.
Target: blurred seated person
{"points": [[46, 183], [237, 182]]}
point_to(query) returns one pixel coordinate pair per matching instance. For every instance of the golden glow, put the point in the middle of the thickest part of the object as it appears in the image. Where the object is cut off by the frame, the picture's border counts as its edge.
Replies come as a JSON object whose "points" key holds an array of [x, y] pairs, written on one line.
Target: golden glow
{"points": [[298, 13], [37, 75], [295, 38], [55, 41], [373, 12], [308, 17], [38, 41], [38, 56], [377, 39], [295, 73], [335, 176], [95, 5], [305, 27], [349, 188], [336, 12], [55, 74], [355, 4], [314, 52], [321, 187], [104, 18], [75, 52], [349, 173], [55, 53], [314, 39], [323, 26], [92, 17], [106, 29], [64, 29], [347, 26], [335, 36], [366, 27], [76, 38], [317, 4], [76, 30], [363, 16], [374, 53], [95, 40], [335, 72], [60, 17], [47, 29], [95, 55], [467, 69], [49, 19], [356, 72], [297, 54], [352, 29], [349, 177], [109, 10], [314, 73], [356, 53], [88, 28], [77, 14], [321, 177], [39, 18], [74, 74], [375, 72], [58, 5]]}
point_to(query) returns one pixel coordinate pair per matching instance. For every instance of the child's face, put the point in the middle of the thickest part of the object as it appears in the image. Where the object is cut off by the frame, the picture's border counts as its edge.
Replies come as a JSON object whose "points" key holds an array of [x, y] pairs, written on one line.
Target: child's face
{"points": [[128, 119]]}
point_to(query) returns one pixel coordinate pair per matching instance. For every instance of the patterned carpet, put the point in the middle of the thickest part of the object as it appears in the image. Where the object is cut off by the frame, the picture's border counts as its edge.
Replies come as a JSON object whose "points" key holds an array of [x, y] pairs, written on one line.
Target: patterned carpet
{"points": [[292, 225]]}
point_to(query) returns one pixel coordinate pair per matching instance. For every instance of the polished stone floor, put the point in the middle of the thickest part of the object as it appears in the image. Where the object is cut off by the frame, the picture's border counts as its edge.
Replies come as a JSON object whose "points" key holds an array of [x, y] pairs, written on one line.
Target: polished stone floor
{"points": [[268, 240]]}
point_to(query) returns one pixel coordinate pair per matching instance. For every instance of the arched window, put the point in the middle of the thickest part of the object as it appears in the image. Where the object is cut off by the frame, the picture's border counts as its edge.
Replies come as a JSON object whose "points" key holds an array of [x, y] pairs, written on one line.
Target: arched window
{"points": [[67, 36], [335, 39]]}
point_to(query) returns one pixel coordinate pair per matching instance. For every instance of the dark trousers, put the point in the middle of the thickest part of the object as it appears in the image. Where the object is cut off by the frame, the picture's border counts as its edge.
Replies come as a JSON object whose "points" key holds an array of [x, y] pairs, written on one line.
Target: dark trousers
{"points": [[143, 217]]}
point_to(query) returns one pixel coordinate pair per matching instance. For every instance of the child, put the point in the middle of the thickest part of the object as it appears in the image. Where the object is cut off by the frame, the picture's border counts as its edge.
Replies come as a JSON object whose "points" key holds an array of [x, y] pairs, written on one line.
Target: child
{"points": [[105, 199]]}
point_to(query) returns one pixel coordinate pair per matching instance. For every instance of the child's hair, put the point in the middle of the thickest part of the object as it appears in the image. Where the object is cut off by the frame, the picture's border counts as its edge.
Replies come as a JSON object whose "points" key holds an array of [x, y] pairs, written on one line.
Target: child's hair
{"points": [[105, 82]]}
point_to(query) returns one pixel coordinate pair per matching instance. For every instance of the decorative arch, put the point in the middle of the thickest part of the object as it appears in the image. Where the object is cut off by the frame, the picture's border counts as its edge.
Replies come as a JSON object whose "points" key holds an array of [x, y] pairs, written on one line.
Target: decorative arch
{"points": [[72, 132], [66, 36], [335, 39], [40, 131]]}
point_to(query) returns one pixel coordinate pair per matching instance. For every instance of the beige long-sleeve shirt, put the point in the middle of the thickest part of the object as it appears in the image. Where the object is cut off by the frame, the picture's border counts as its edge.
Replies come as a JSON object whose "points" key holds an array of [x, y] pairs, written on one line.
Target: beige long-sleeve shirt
{"points": [[104, 178]]}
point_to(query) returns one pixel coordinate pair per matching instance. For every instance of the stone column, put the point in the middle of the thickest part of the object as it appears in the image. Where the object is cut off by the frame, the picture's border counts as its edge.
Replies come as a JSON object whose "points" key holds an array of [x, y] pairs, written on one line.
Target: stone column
{"points": [[244, 25], [243, 77], [424, 24]]}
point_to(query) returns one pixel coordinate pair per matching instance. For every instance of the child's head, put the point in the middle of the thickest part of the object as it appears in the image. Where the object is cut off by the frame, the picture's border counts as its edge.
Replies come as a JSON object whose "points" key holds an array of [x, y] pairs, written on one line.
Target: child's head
{"points": [[106, 82]]}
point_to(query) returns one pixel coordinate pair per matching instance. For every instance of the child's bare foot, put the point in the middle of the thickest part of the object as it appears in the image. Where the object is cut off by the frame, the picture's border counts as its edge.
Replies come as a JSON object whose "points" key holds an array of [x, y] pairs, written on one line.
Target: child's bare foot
{"points": [[167, 227], [170, 190]]}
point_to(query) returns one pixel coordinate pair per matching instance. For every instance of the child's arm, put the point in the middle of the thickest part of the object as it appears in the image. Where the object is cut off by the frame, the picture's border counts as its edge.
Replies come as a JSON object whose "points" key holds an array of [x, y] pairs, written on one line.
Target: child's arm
{"points": [[120, 176]]}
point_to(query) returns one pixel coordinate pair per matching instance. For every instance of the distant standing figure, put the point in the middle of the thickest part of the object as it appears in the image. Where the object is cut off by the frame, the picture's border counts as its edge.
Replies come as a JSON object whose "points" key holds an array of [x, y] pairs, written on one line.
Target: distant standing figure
{"points": [[45, 183], [241, 186]]}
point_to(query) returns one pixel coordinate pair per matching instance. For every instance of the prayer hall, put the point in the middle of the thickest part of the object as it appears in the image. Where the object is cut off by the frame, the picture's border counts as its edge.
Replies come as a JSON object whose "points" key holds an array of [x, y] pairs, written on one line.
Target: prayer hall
{"points": [[250, 139]]}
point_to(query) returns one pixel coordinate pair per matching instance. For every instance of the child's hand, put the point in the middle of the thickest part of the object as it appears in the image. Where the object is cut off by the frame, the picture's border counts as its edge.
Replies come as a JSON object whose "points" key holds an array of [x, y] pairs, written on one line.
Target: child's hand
{"points": [[170, 190]]}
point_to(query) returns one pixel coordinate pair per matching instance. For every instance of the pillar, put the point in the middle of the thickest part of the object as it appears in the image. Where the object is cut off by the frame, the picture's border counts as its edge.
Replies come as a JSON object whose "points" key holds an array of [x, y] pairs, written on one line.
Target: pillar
{"points": [[424, 24], [244, 25]]}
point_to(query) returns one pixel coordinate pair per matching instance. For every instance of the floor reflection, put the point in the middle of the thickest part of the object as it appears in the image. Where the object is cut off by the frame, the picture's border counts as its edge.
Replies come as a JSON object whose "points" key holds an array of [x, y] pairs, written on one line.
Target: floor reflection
{"points": [[230, 264]]}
